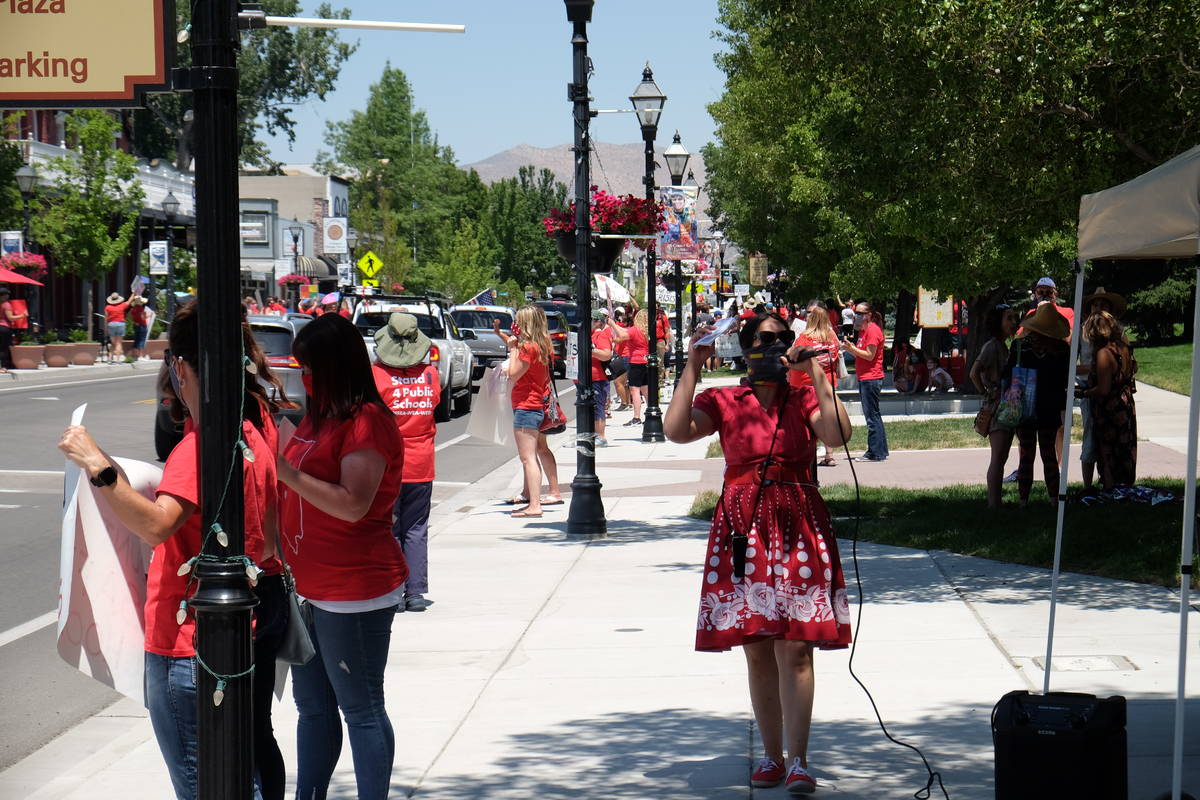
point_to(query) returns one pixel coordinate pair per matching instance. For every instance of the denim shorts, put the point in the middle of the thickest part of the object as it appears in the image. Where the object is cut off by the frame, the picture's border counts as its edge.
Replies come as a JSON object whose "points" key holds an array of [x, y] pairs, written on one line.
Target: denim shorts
{"points": [[527, 418], [116, 329]]}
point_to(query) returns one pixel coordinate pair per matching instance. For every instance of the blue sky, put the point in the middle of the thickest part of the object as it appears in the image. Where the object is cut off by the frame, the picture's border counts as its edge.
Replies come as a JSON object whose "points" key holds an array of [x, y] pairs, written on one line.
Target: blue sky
{"points": [[503, 82]]}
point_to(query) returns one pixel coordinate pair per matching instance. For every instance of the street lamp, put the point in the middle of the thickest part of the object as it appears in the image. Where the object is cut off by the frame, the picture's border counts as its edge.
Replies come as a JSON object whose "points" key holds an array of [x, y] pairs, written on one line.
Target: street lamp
{"points": [[170, 207], [677, 157], [27, 181], [586, 516], [648, 101], [296, 231], [720, 237], [691, 184]]}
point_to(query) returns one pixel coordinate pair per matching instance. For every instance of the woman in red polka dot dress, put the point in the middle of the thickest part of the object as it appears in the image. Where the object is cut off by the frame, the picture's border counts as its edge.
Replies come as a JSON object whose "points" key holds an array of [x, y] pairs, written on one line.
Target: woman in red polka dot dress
{"points": [[773, 581]]}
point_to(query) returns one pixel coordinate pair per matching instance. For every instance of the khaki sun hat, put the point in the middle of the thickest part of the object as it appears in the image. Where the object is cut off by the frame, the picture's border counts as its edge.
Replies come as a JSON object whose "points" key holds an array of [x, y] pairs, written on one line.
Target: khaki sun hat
{"points": [[1048, 322], [1115, 300], [137, 300], [115, 299], [400, 343]]}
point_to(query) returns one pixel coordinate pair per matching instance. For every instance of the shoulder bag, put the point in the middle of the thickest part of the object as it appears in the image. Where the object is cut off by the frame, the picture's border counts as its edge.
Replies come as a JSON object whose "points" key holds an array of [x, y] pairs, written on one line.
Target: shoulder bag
{"points": [[1018, 401], [297, 645], [554, 419]]}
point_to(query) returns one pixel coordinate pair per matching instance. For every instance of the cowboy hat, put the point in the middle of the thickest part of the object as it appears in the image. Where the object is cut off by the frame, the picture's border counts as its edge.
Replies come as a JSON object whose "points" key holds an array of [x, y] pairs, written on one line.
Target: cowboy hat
{"points": [[750, 302], [1115, 300], [137, 300], [400, 343], [1048, 322], [115, 299]]}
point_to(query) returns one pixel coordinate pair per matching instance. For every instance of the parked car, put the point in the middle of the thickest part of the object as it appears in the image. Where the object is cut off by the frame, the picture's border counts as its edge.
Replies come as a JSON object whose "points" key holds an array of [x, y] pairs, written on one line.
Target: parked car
{"points": [[559, 327], [568, 308], [450, 353], [488, 348], [274, 335]]}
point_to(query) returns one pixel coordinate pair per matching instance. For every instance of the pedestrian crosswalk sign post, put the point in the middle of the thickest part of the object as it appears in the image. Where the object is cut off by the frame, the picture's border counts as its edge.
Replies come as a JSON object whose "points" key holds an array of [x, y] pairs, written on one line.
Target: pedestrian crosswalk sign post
{"points": [[370, 264], [370, 282]]}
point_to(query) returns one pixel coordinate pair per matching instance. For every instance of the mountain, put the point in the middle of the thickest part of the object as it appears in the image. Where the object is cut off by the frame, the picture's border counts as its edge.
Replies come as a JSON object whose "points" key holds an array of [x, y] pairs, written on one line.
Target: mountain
{"points": [[616, 168]]}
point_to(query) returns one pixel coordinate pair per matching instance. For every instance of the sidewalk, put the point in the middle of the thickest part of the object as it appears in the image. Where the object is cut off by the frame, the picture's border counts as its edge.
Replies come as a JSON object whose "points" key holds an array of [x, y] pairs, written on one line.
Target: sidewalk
{"points": [[555, 667], [50, 376]]}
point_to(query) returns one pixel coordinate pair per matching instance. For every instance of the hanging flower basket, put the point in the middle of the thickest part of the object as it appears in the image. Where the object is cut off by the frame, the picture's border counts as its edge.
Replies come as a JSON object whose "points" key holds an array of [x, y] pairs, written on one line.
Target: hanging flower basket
{"points": [[634, 217], [602, 256], [31, 264], [292, 277]]}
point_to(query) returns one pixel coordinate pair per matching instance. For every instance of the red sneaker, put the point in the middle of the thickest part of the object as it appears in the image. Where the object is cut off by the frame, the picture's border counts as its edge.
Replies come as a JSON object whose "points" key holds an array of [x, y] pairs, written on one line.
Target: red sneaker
{"points": [[767, 774], [798, 779]]}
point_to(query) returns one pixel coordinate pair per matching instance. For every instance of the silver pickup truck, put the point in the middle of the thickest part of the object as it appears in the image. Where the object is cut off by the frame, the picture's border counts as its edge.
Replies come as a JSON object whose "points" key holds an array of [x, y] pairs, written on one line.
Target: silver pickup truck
{"points": [[450, 352], [489, 349]]}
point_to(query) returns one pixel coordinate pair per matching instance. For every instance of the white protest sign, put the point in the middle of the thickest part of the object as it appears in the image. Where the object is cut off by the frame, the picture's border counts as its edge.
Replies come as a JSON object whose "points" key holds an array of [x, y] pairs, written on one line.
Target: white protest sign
{"points": [[572, 366]]}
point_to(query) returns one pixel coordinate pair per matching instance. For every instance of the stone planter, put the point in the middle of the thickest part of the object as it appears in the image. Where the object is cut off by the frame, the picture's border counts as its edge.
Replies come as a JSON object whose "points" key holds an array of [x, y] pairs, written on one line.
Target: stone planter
{"points": [[27, 356], [156, 347], [59, 355], [86, 353]]}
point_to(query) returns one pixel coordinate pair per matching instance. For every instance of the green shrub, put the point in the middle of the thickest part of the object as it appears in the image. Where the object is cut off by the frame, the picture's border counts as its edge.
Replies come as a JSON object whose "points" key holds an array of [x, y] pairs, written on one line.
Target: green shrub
{"points": [[50, 337], [79, 336]]}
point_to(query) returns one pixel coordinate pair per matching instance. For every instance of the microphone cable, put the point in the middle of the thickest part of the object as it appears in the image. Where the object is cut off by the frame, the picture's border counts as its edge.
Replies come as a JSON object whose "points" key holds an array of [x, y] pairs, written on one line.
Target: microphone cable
{"points": [[927, 791]]}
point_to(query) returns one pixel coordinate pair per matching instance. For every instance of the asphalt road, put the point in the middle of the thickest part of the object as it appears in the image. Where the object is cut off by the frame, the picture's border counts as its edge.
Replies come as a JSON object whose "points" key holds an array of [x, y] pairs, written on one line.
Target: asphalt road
{"points": [[43, 695]]}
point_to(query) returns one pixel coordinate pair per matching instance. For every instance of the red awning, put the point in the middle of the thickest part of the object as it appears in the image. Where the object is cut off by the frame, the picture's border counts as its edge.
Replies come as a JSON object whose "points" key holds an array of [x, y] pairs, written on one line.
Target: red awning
{"points": [[9, 276]]}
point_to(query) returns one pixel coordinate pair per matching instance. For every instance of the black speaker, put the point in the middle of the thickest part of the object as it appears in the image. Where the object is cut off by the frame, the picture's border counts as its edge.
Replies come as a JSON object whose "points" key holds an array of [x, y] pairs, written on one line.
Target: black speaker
{"points": [[1060, 745]]}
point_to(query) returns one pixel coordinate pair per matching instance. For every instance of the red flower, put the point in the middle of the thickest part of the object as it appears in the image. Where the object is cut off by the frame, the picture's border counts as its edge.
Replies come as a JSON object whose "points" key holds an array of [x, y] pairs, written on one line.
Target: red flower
{"points": [[31, 264], [619, 214], [292, 277]]}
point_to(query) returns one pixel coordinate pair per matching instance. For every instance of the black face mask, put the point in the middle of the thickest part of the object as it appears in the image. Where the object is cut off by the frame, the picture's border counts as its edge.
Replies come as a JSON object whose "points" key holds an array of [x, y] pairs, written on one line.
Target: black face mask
{"points": [[764, 365]]}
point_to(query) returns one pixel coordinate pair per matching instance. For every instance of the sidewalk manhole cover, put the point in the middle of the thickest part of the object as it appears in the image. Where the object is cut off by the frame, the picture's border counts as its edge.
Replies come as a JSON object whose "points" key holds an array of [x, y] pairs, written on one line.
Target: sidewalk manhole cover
{"points": [[1087, 664]]}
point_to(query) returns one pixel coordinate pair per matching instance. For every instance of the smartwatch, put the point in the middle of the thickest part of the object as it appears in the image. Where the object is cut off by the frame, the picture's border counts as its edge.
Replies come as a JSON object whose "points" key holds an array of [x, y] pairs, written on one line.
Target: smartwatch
{"points": [[107, 477]]}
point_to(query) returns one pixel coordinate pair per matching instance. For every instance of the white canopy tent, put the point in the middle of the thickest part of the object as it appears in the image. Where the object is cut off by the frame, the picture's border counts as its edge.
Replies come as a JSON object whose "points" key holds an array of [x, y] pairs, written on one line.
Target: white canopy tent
{"points": [[1153, 216]]}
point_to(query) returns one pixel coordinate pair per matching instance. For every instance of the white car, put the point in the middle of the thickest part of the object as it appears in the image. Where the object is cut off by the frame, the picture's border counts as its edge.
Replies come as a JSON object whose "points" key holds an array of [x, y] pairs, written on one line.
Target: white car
{"points": [[450, 352]]}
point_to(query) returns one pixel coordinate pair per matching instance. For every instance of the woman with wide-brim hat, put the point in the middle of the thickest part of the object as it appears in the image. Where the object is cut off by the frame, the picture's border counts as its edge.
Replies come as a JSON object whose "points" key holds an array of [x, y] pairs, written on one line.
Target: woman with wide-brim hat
{"points": [[1044, 350], [1110, 393], [115, 309], [411, 388]]}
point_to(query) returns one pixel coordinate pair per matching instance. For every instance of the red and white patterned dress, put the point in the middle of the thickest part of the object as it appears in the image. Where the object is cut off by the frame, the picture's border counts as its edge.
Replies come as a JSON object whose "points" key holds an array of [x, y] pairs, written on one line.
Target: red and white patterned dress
{"points": [[793, 587]]}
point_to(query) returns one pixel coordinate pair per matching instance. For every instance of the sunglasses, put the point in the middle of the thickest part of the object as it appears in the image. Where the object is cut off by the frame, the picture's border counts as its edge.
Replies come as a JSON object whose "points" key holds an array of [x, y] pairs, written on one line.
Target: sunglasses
{"points": [[169, 360], [770, 337]]}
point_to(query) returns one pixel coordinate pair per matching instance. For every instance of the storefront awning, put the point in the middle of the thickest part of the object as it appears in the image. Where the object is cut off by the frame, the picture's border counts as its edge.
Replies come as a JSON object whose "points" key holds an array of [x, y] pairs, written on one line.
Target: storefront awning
{"points": [[314, 267]]}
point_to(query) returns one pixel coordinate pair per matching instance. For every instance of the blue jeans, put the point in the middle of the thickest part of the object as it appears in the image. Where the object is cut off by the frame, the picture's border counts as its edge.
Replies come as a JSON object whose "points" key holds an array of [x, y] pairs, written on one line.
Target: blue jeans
{"points": [[170, 686], [410, 526], [868, 395], [346, 673]]}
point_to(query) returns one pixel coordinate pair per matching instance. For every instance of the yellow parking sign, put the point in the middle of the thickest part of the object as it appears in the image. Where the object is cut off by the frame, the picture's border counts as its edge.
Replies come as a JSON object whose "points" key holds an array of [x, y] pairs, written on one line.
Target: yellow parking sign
{"points": [[370, 264]]}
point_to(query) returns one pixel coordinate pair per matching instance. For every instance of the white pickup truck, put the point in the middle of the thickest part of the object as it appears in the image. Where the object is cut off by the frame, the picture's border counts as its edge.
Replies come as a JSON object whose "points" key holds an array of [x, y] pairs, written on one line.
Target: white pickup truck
{"points": [[449, 353]]}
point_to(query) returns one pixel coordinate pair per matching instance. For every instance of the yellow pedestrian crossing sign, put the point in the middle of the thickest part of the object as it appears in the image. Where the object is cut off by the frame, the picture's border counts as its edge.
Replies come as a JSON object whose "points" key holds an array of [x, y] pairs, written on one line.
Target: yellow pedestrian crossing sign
{"points": [[370, 282], [370, 264]]}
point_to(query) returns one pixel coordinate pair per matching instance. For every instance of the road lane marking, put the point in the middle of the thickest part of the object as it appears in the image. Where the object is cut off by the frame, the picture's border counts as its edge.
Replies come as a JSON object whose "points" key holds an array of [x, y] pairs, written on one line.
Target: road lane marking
{"points": [[451, 483], [149, 402], [33, 626], [455, 440], [7, 507], [43, 398], [31, 472], [81, 383]]}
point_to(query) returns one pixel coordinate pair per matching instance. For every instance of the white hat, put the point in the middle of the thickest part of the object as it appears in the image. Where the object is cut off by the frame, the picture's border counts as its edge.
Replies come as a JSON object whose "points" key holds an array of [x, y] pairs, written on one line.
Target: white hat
{"points": [[1047, 281]]}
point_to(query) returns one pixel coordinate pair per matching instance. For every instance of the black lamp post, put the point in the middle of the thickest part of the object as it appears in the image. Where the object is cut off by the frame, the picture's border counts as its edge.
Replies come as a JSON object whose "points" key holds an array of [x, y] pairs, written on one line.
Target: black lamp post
{"points": [[691, 183], [170, 207], [296, 231], [677, 157], [351, 243], [586, 516], [27, 181], [648, 101], [720, 237]]}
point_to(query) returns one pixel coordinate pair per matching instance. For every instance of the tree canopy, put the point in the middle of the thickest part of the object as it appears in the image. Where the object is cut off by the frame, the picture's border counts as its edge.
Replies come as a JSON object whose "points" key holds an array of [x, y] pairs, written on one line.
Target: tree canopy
{"points": [[872, 146]]}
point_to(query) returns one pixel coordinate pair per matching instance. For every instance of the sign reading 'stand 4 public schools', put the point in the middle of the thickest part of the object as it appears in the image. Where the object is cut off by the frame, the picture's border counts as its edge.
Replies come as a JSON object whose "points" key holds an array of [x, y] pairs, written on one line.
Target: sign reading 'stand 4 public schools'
{"points": [[68, 53]]}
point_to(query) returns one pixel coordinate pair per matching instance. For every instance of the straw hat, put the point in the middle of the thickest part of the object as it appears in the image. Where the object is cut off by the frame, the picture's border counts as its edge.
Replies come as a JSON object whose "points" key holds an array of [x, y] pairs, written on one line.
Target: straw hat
{"points": [[1115, 300], [400, 343], [137, 300], [115, 299], [1048, 322]]}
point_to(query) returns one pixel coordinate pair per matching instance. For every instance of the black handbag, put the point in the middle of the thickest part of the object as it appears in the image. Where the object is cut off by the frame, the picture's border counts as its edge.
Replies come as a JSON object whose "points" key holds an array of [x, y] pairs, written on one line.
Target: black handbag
{"points": [[297, 645], [615, 367]]}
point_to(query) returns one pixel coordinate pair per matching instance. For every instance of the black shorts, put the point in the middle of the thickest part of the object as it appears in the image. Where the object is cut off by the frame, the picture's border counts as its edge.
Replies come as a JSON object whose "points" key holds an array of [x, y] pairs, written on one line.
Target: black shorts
{"points": [[637, 375]]}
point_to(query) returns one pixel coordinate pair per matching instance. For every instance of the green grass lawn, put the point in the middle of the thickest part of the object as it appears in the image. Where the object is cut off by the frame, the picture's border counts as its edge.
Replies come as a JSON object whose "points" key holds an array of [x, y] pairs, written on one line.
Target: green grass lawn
{"points": [[1128, 541], [1167, 366], [929, 434]]}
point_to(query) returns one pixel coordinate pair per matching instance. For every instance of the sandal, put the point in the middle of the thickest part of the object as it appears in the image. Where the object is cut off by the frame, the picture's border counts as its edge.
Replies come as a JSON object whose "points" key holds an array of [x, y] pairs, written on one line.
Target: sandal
{"points": [[552, 500], [516, 501], [827, 462], [524, 513]]}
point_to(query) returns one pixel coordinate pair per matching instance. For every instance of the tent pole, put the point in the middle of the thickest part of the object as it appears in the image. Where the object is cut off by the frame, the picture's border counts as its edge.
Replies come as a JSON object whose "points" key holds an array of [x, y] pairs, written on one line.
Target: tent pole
{"points": [[1064, 469], [1185, 552]]}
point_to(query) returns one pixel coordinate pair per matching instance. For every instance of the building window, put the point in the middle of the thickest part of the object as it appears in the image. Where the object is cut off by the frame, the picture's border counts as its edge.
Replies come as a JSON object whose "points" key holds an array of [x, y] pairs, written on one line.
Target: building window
{"points": [[255, 229]]}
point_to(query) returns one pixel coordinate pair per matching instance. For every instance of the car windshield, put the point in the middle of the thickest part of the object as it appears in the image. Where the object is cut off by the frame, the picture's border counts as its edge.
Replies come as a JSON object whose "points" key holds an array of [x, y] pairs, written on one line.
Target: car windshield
{"points": [[481, 320], [569, 310], [372, 321], [273, 341], [553, 322]]}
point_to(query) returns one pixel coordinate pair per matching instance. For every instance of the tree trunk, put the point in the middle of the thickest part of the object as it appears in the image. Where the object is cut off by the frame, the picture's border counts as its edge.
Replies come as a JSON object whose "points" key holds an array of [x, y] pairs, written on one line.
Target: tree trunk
{"points": [[906, 304], [977, 311]]}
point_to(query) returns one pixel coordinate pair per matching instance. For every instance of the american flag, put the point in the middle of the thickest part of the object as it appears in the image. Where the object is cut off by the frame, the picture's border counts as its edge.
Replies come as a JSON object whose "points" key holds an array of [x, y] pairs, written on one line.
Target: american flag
{"points": [[485, 298]]}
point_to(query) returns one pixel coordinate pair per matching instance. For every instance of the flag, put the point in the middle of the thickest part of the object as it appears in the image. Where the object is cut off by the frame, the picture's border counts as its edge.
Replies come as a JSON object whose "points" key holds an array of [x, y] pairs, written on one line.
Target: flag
{"points": [[485, 298]]}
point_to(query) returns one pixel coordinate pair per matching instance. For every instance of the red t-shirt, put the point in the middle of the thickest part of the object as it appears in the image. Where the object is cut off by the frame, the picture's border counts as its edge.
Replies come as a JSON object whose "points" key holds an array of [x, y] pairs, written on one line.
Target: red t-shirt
{"points": [[746, 428], [412, 393], [530, 390], [116, 313], [621, 348], [138, 315], [601, 340], [748, 313], [277, 308], [637, 345], [835, 319], [873, 369], [827, 359], [662, 327], [1067, 313], [165, 588], [332, 559], [5, 309]]}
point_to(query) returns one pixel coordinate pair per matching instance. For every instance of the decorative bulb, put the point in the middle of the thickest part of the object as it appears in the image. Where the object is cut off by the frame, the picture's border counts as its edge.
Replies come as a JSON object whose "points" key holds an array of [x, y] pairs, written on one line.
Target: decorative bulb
{"points": [[222, 539], [181, 614], [219, 694], [184, 568], [247, 453]]}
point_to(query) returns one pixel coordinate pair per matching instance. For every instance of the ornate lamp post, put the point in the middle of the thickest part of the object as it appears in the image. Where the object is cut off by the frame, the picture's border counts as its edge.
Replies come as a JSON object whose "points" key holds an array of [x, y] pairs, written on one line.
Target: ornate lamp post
{"points": [[27, 181], [691, 184], [351, 243], [720, 237], [648, 101], [296, 232], [677, 157], [170, 207], [586, 516]]}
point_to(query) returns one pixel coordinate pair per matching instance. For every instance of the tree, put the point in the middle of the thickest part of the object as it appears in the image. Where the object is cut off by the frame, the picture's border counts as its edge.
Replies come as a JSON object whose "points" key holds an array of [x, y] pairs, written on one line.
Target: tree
{"points": [[513, 221], [11, 209], [278, 68], [463, 270], [89, 216], [896, 144]]}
